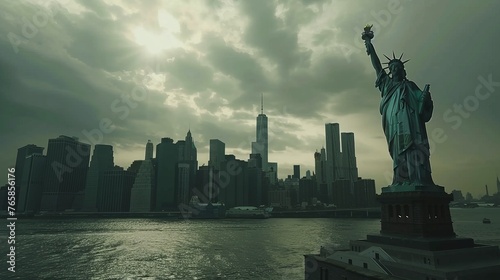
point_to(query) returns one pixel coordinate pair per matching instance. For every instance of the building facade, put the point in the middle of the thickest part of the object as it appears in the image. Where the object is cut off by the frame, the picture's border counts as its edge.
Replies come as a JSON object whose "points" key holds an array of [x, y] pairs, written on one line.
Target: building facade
{"points": [[167, 156], [142, 196], [365, 194], [65, 173], [149, 150], [349, 166], [31, 184], [333, 153], [261, 145], [102, 159], [296, 171], [22, 154], [217, 153], [114, 190]]}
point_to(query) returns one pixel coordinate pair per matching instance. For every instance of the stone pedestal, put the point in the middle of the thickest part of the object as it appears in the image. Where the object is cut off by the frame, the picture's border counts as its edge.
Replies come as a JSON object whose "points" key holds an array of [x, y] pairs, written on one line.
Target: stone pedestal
{"points": [[416, 241], [421, 212]]}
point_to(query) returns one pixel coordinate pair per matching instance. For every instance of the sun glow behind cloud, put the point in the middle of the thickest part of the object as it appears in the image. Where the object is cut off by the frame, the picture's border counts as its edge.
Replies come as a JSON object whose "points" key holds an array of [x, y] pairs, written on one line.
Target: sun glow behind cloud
{"points": [[156, 42]]}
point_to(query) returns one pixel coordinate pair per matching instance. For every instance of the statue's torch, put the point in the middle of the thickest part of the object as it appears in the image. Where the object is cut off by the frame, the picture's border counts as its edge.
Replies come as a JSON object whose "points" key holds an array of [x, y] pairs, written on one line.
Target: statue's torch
{"points": [[367, 33]]}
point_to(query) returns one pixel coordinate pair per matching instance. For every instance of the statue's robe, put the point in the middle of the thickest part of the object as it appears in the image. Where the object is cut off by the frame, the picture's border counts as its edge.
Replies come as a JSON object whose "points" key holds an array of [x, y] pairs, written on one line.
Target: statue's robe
{"points": [[405, 110]]}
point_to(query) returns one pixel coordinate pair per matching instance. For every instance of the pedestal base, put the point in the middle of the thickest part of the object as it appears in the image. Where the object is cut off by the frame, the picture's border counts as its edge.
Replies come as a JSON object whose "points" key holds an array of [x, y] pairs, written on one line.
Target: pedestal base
{"points": [[416, 213], [416, 242], [429, 244]]}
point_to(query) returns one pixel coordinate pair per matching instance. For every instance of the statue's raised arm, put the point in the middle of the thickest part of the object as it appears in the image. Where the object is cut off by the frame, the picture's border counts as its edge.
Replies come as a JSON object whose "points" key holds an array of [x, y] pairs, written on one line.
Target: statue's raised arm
{"points": [[367, 35]]}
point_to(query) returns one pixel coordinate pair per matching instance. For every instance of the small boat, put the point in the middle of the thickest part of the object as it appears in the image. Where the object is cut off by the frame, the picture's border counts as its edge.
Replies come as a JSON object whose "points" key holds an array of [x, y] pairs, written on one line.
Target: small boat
{"points": [[248, 212], [208, 210], [486, 221]]}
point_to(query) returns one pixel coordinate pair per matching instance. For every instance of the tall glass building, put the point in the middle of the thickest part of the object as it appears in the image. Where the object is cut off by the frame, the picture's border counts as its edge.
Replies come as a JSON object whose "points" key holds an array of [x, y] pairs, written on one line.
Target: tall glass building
{"points": [[67, 162]]}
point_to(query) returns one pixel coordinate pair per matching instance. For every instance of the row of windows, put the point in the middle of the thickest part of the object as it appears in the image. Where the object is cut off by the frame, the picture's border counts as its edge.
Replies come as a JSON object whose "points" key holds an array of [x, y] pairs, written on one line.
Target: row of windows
{"points": [[433, 211], [356, 248], [365, 265]]}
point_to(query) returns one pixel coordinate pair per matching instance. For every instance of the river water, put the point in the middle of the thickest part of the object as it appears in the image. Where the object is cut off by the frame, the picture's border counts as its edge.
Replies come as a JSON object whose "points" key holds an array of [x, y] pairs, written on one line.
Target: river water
{"points": [[194, 249]]}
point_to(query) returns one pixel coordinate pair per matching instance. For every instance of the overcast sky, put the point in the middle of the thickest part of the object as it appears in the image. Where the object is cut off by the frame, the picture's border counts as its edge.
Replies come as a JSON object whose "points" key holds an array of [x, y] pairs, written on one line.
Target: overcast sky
{"points": [[156, 68]]}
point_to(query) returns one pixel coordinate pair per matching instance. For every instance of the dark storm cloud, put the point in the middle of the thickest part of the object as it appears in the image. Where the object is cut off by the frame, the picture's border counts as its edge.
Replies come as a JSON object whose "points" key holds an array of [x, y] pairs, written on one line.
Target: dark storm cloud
{"points": [[271, 37], [50, 93], [101, 43], [188, 72], [239, 65]]}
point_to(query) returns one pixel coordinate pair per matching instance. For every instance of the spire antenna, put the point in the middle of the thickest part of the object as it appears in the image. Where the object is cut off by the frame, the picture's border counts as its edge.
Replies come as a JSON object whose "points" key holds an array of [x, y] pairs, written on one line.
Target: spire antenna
{"points": [[262, 103]]}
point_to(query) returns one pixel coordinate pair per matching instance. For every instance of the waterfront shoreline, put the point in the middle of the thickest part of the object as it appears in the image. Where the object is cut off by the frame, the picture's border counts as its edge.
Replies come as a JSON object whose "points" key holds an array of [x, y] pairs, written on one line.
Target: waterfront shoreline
{"points": [[338, 213]]}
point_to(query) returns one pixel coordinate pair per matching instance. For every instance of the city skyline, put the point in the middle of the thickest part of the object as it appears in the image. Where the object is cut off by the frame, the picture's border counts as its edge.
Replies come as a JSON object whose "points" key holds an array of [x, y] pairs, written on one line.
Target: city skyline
{"points": [[307, 58]]}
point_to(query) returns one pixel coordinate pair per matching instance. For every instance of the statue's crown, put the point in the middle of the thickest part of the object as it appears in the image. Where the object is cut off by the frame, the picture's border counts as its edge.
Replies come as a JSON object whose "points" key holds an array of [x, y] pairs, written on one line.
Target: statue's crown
{"points": [[394, 59]]}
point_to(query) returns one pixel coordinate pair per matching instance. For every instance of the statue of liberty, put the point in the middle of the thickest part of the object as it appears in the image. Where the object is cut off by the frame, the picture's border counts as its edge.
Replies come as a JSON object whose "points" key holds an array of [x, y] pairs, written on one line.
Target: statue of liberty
{"points": [[405, 109]]}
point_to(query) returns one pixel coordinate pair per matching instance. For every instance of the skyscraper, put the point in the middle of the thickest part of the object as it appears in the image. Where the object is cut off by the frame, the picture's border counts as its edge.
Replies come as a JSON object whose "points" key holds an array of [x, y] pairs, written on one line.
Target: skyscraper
{"points": [[142, 196], [65, 173], [235, 186], [22, 154], [102, 159], [190, 152], [320, 167], [364, 193], [31, 184], [272, 173], [307, 190], [187, 166], [183, 182], [255, 184], [255, 160], [261, 145], [167, 156], [342, 193], [149, 150], [135, 166], [204, 182], [333, 154], [181, 149], [296, 171], [217, 153], [349, 167], [114, 190]]}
